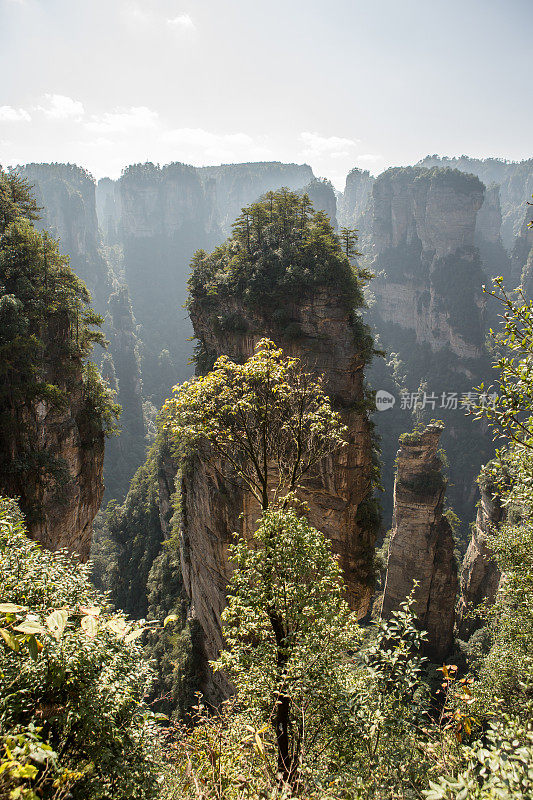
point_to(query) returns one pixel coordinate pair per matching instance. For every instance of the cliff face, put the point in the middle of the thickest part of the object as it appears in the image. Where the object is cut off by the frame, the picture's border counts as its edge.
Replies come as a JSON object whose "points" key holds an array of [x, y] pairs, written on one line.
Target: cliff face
{"points": [[488, 239], [421, 546], [232, 186], [428, 273], [480, 575], [357, 192], [515, 179], [338, 497], [68, 198], [60, 503], [429, 312], [108, 209], [522, 255], [166, 216], [66, 194], [322, 195]]}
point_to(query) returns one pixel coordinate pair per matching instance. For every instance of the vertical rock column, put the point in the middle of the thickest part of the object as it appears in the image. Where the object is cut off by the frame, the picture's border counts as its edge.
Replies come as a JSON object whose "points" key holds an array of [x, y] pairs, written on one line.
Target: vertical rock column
{"points": [[480, 576], [421, 546], [339, 496]]}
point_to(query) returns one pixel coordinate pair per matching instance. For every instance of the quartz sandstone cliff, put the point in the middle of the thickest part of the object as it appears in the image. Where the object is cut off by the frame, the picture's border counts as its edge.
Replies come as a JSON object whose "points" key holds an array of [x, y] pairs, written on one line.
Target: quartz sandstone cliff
{"points": [[337, 497], [421, 545], [59, 510], [480, 576], [422, 230]]}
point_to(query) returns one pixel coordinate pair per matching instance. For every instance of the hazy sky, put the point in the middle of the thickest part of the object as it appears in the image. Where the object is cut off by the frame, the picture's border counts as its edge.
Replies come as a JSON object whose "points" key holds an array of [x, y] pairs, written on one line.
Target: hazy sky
{"points": [[369, 83]]}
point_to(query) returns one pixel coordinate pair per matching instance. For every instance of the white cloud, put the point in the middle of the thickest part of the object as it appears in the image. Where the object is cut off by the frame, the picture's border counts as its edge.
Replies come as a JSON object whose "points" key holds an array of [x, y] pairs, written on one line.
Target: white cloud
{"points": [[181, 22], [59, 106], [123, 120], [10, 114], [199, 146], [333, 146], [370, 158]]}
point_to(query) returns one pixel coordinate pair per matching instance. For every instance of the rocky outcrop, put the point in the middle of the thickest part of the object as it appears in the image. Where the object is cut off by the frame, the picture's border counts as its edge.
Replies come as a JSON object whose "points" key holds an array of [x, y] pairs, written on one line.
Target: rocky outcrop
{"points": [[357, 192], [318, 329], [322, 195], [421, 545], [55, 456], [480, 576]]}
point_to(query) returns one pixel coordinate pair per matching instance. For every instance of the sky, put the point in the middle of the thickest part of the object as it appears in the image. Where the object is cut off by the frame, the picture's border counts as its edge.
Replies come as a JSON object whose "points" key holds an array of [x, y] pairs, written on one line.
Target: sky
{"points": [[338, 84]]}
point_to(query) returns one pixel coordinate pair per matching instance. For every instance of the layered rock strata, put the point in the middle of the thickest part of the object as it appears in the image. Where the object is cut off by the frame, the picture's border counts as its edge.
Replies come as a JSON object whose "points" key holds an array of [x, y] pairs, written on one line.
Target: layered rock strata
{"points": [[61, 489], [421, 546], [480, 576], [428, 273], [338, 496]]}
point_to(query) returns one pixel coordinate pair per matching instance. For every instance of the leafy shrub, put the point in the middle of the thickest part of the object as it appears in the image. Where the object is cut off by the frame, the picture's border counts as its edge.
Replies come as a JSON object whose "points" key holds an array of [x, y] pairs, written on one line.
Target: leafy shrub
{"points": [[72, 679]]}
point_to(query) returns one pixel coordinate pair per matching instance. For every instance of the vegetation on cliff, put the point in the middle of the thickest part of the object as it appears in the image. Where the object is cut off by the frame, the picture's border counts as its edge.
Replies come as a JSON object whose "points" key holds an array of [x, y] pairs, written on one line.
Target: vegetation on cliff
{"points": [[47, 332], [279, 244], [268, 421]]}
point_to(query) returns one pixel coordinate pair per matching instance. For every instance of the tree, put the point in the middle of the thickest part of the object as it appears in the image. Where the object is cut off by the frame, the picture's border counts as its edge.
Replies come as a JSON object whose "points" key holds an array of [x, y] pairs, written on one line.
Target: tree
{"points": [[510, 416], [279, 244], [348, 237], [267, 421], [287, 630]]}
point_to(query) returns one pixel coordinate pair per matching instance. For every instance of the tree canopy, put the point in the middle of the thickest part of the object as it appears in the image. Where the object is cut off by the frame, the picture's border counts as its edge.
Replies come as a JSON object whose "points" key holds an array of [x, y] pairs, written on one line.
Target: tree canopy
{"points": [[279, 243], [268, 420]]}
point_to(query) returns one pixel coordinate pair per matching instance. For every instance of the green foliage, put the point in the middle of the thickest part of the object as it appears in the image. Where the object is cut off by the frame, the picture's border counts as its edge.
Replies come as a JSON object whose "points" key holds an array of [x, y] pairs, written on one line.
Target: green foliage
{"points": [[286, 626], [72, 678], [387, 705], [268, 420], [510, 418], [47, 333], [279, 244], [498, 767]]}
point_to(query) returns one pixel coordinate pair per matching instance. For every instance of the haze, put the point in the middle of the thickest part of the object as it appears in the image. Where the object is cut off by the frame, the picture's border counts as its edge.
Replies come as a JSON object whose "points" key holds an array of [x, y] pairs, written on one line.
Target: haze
{"points": [[104, 83]]}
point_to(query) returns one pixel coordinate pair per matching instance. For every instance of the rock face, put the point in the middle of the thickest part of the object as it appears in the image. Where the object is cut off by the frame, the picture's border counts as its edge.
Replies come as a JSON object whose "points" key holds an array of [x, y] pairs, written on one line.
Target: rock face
{"points": [[66, 194], [421, 546], [357, 192], [515, 179], [166, 216], [428, 273], [488, 239], [522, 255], [108, 209], [125, 452], [480, 575], [429, 311], [60, 512], [322, 195], [232, 186], [339, 497]]}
